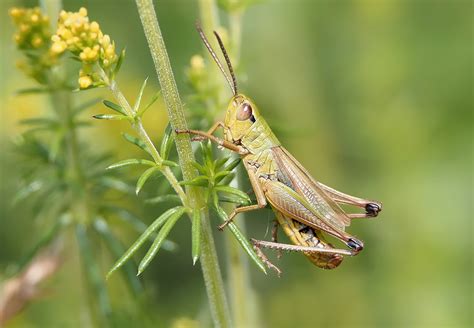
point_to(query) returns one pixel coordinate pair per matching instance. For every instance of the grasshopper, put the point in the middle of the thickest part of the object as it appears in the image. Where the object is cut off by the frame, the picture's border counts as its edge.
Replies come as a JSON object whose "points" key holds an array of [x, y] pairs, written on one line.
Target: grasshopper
{"points": [[304, 207]]}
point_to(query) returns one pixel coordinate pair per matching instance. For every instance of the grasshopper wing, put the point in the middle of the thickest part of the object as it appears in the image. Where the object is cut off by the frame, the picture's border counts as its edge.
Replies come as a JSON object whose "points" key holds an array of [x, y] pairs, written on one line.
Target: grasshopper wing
{"points": [[295, 176], [291, 204]]}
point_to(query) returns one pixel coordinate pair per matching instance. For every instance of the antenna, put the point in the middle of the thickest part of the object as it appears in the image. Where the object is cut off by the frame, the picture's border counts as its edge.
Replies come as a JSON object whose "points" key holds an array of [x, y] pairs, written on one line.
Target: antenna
{"points": [[232, 82], [227, 59]]}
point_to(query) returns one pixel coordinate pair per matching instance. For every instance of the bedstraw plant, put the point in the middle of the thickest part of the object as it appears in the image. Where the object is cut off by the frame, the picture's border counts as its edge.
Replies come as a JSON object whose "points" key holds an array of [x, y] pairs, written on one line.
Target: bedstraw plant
{"points": [[68, 167]]}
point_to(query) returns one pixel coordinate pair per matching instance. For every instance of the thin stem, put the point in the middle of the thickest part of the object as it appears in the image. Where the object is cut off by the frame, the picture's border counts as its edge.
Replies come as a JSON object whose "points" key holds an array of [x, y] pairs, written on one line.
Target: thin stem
{"points": [[140, 129], [209, 263]]}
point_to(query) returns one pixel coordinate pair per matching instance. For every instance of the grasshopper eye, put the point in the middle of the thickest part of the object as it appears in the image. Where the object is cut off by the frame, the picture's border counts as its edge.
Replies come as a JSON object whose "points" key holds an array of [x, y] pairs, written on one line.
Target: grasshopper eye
{"points": [[245, 112]]}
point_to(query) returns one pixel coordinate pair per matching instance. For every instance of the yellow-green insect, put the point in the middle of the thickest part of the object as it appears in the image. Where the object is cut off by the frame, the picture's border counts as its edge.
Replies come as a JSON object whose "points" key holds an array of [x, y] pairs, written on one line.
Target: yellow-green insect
{"points": [[304, 207]]}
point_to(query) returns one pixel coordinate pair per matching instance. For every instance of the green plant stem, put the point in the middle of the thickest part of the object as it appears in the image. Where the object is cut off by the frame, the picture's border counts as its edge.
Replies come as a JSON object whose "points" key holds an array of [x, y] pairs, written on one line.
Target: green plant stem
{"points": [[209, 263], [140, 129], [62, 105]]}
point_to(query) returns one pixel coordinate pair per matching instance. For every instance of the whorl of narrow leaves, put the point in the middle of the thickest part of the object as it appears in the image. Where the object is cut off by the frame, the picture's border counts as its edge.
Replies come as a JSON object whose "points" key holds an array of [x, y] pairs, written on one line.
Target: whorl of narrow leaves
{"points": [[145, 235], [117, 249], [243, 241], [213, 175], [160, 238]]}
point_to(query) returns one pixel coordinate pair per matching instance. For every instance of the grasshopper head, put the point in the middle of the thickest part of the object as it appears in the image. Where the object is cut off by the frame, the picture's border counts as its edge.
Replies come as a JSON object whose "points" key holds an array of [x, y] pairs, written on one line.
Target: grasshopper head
{"points": [[240, 116]]}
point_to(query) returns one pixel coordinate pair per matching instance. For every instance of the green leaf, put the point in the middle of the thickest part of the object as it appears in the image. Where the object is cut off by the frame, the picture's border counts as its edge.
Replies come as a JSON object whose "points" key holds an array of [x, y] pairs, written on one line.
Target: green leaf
{"points": [[143, 238], [218, 163], [241, 239], [91, 267], [28, 91], [221, 175], [152, 101], [196, 235], [139, 98], [232, 199], [119, 63], [167, 142], [128, 217], [206, 149], [134, 140], [233, 164], [117, 249], [39, 121], [233, 191], [201, 181], [144, 177], [155, 247], [164, 198], [111, 117], [169, 163], [133, 161], [119, 109], [202, 170], [227, 179]]}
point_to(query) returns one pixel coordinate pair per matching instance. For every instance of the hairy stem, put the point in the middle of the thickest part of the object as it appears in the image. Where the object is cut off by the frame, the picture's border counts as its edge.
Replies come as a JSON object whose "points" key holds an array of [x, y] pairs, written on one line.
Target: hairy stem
{"points": [[209, 263]]}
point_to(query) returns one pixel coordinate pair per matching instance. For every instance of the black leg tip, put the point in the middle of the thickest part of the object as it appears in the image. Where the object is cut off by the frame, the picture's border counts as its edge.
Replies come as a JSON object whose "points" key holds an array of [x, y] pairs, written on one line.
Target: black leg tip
{"points": [[373, 209], [355, 244]]}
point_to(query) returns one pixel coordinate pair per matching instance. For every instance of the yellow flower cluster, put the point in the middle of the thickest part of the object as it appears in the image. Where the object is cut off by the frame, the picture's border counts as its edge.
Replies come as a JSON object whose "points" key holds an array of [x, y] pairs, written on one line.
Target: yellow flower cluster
{"points": [[33, 36], [34, 29], [84, 39]]}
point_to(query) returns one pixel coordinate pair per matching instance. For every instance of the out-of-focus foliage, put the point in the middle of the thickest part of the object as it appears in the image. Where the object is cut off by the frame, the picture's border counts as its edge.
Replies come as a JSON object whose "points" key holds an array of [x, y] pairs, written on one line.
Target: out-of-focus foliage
{"points": [[375, 99]]}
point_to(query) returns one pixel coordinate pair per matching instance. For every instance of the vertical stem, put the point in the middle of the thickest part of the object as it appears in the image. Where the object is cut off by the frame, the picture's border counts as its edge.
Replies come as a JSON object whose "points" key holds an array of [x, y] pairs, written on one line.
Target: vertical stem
{"points": [[242, 297], [77, 192], [209, 262]]}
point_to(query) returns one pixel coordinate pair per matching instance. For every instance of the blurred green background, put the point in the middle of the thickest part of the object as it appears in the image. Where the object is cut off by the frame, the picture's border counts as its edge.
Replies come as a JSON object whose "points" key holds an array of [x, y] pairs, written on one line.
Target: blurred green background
{"points": [[374, 98]]}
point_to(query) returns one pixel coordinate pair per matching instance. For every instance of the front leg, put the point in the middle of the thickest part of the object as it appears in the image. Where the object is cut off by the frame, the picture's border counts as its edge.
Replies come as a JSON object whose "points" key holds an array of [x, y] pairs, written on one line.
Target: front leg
{"points": [[372, 208], [221, 142], [213, 129], [261, 200]]}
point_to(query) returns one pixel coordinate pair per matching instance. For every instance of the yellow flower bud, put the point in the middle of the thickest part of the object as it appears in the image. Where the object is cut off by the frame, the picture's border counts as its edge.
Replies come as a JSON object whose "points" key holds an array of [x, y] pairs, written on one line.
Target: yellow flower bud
{"points": [[16, 12], [63, 15], [94, 27], [83, 12], [84, 82], [58, 47]]}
